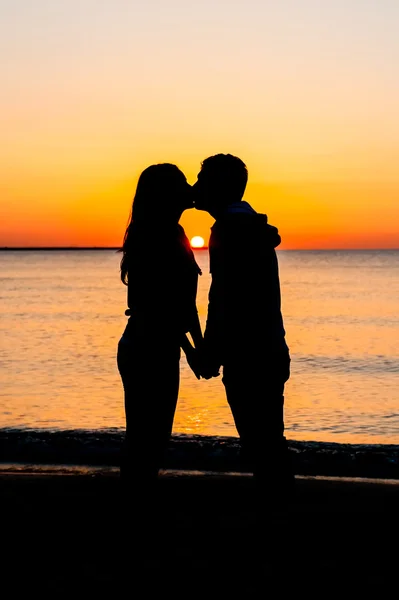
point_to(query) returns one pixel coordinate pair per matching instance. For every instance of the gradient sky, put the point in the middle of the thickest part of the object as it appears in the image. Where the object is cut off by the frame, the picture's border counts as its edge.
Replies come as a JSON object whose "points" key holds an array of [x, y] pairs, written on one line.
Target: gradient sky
{"points": [[306, 92]]}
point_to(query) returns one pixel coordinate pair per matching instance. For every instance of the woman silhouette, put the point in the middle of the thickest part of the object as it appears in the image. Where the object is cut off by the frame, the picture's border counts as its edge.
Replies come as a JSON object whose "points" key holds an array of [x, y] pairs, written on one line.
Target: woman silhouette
{"points": [[161, 274]]}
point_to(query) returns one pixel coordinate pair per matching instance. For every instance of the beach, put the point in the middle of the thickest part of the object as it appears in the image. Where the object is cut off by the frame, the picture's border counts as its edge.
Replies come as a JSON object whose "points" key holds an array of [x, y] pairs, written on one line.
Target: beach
{"points": [[74, 532]]}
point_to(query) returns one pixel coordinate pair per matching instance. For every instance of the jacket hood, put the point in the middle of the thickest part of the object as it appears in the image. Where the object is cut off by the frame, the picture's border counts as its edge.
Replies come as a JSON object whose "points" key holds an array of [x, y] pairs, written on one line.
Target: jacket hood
{"points": [[246, 219]]}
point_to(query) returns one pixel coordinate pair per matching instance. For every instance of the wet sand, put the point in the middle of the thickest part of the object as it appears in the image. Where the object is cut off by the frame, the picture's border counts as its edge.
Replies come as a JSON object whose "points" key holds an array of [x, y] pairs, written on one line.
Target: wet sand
{"points": [[78, 534]]}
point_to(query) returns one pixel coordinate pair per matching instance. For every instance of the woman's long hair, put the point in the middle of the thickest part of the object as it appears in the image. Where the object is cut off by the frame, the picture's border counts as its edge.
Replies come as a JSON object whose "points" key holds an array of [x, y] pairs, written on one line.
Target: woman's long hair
{"points": [[157, 201]]}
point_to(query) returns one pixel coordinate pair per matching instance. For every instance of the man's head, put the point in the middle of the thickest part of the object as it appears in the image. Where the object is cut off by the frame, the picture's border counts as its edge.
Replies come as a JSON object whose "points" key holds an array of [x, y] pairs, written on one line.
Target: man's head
{"points": [[221, 181]]}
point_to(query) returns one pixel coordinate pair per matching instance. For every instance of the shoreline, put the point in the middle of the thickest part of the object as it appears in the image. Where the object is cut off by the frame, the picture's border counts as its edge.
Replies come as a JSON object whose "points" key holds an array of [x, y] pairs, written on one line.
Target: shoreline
{"points": [[90, 449], [10, 470]]}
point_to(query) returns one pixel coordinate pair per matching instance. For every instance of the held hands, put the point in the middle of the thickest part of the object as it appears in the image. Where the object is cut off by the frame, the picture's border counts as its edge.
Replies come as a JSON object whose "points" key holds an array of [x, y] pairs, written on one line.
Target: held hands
{"points": [[209, 368], [201, 364]]}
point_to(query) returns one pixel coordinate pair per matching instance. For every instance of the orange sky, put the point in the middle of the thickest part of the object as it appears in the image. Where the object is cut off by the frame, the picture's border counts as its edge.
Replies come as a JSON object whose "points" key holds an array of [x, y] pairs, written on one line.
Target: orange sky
{"points": [[93, 94]]}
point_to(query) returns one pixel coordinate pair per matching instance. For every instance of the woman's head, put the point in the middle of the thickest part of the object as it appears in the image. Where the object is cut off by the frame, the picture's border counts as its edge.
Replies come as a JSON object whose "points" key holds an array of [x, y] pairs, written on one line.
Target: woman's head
{"points": [[162, 194]]}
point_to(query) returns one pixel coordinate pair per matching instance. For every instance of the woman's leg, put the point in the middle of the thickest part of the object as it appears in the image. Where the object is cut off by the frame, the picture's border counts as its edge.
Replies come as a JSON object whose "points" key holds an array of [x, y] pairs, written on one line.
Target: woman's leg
{"points": [[151, 387]]}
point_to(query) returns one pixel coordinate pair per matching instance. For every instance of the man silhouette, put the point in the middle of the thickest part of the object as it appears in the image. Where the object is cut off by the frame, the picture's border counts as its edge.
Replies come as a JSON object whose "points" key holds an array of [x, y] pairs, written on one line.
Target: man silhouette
{"points": [[244, 329]]}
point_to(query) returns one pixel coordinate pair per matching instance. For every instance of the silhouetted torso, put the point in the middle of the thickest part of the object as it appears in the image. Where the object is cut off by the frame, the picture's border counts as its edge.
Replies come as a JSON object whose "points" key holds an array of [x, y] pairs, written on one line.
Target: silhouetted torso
{"points": [[162, 283], [244, 313]]}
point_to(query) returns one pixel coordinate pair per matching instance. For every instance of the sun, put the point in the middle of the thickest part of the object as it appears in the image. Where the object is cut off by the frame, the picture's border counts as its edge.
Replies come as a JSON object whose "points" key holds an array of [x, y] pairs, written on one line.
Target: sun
{"points": [[197, 242]]}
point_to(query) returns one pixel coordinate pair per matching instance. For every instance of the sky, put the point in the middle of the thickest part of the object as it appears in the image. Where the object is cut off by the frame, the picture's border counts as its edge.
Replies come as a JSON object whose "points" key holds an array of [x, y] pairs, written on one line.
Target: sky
{"points": [[305, 92]]}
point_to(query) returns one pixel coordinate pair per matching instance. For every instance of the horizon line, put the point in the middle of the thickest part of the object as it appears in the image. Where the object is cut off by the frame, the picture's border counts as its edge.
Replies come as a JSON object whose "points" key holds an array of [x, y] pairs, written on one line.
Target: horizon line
{"points": [[116, 248]]}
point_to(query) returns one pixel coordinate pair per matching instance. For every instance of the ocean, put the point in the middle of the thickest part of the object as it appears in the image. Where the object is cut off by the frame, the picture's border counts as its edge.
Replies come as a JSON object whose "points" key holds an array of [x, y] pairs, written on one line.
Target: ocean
{"points": [[62, 314]]}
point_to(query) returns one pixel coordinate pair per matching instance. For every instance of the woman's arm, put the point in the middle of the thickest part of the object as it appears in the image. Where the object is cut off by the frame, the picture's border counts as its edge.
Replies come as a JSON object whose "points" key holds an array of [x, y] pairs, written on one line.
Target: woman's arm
{"points": [[196, 332], [192, 356], [193, 352]]}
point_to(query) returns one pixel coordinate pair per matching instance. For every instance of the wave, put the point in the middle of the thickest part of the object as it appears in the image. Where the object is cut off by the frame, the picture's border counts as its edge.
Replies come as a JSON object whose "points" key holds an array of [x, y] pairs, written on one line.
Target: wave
{"points": [[343, 364], [101, 448]]}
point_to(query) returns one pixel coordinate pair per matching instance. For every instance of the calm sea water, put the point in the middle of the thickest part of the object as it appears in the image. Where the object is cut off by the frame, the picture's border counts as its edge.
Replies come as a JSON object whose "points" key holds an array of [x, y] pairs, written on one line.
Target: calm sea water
{"points": [[62, 313]]}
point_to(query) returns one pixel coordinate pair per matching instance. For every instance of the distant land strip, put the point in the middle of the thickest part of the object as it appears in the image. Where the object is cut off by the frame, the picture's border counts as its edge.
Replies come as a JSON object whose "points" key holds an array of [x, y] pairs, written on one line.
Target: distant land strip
{"points": [[72, 248], [69, 248], [13, 248]]}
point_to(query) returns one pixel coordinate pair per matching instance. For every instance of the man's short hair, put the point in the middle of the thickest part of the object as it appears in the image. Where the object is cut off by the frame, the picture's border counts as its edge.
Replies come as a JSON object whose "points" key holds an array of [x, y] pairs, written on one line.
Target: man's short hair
{"points": [[227, 172]]}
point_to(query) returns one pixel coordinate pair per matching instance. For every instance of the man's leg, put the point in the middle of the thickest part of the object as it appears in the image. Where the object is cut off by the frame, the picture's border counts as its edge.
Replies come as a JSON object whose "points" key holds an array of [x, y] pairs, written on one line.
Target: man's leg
{"points": [[257, 404]]}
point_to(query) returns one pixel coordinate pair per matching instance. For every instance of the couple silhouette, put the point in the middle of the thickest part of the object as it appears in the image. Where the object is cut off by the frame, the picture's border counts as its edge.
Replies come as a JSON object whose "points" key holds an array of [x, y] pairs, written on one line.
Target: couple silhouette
{"points": [[244, 330]]}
